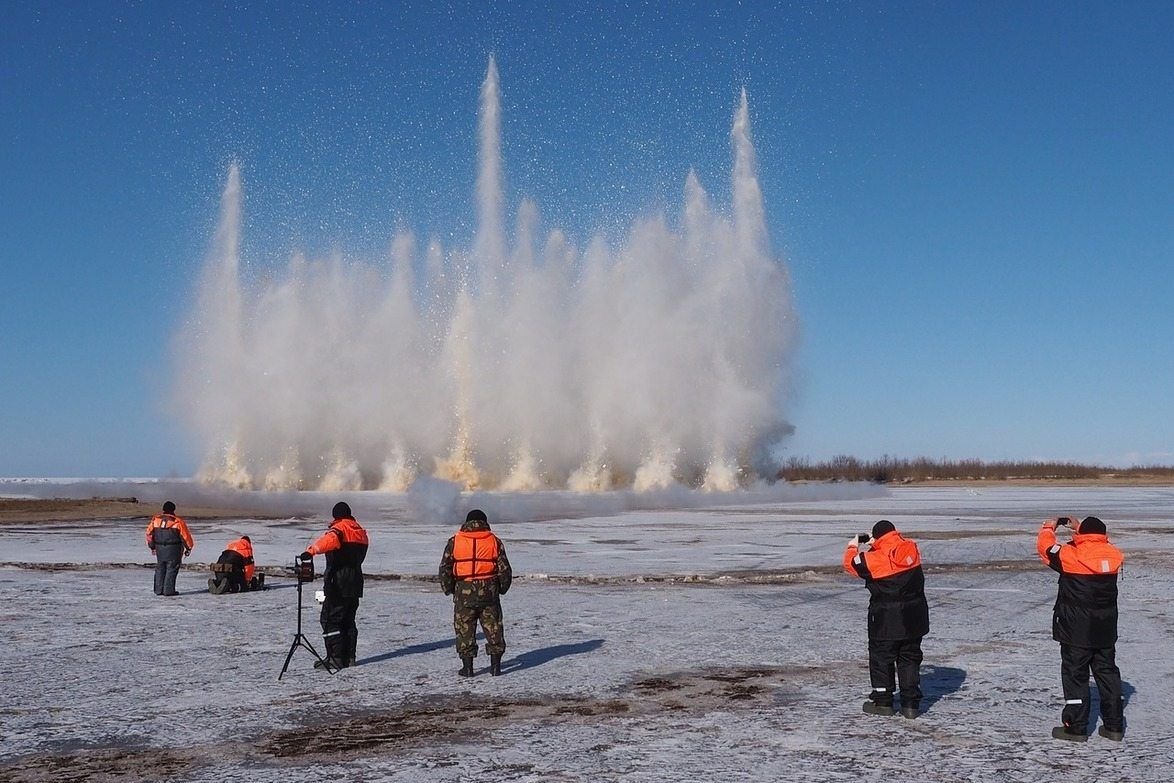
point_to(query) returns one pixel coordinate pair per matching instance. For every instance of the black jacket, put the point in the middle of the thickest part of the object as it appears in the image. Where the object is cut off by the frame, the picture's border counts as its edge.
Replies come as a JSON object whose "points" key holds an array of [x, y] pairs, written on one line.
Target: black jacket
{"points": [[891, 570], [1085, 614]]}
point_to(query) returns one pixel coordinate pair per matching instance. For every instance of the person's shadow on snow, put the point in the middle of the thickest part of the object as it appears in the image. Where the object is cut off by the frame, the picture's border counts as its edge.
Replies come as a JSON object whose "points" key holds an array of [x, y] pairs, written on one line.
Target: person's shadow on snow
{"points": [[1094, 701], [529, 660], [411, 649], [939, 681]]}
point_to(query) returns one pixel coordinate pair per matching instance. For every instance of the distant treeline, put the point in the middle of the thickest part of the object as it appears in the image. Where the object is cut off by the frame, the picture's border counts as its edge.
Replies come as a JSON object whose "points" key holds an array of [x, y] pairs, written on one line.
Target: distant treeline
{"points": [[890, 469]]}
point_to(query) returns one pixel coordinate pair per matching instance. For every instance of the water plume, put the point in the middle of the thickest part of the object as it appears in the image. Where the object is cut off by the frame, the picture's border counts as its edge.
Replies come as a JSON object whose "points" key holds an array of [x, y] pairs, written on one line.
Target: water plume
{"points": [[518, 364]]}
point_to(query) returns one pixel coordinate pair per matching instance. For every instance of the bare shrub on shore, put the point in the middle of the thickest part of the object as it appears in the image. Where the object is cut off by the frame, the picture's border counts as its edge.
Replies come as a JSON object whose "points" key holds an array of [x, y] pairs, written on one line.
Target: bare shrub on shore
{"points": [[887, 470]]}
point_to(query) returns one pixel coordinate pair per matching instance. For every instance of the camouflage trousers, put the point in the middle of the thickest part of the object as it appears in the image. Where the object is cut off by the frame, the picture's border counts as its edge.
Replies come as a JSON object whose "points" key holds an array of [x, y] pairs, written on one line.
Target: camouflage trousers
{"points": [[464, 622]]}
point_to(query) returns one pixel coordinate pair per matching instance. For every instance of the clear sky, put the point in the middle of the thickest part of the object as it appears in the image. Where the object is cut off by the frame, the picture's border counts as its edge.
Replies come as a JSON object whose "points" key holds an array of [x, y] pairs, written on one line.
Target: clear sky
{"points": [[975, 199]]}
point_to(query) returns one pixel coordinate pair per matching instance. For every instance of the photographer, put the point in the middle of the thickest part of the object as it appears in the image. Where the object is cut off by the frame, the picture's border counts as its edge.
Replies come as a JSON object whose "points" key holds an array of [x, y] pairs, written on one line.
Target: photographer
{"points": [[345, 547], [898, 615], [1084, 622]]}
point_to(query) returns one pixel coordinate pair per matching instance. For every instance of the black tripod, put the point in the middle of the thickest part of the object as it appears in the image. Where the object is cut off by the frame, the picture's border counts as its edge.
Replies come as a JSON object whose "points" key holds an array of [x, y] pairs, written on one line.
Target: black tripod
{"points": [[300, 639]]}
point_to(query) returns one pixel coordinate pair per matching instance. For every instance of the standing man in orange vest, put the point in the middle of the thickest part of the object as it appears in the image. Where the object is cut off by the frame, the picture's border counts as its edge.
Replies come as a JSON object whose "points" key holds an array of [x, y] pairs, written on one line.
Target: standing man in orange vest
{"points": [[345, 546], [1084, 622], [476, 572], [898, 615], [169, 539]]}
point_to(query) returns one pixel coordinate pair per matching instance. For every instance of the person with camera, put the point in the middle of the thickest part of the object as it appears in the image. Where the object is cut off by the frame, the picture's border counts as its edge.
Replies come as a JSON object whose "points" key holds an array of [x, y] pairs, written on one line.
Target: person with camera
{"points": [[475, 571], [1084, 622], [898, 615], [345, 546], [169, 540]]}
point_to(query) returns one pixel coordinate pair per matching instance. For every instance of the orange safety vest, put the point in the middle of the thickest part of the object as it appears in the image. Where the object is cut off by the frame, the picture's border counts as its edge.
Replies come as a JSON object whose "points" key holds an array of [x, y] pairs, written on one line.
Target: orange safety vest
{"points": [[245, 550], [1089, 554], [341, 531], [165, 521], [474, 554], [890, 555]]}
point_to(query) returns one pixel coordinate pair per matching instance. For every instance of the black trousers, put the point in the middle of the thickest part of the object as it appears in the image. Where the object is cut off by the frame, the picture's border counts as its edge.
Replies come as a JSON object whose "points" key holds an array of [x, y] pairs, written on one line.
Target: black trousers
{"points": [[1075, 664], [893, 659], [167, 559], [236, 577], [339, 631]]}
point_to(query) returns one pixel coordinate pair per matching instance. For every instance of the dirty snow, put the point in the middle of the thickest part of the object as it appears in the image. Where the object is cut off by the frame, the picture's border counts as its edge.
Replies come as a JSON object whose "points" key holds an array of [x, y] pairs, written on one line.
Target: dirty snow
{"points": [[712, 640]]}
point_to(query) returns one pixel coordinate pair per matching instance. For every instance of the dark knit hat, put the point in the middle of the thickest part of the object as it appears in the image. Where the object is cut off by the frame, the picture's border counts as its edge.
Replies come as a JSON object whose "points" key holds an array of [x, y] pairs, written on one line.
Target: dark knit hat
{"points": [[342, 511], [476, 514], [882, 527], [246, 538], [1092, 525], [169, 507]]}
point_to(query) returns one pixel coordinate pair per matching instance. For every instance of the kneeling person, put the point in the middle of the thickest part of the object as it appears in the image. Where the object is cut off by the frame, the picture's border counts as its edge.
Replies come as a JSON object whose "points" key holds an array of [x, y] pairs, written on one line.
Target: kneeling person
{"points": [[235, 571]]}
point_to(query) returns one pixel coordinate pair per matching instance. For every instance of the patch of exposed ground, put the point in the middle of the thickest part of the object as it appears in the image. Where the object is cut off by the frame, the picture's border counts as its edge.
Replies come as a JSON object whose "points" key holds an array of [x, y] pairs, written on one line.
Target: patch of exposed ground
{"points": [[429, 721]]}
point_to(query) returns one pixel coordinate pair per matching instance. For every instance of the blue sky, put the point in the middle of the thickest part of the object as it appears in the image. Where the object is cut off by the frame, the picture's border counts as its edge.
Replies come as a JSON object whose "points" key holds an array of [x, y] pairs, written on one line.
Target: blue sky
{"points": [[975, 200]]}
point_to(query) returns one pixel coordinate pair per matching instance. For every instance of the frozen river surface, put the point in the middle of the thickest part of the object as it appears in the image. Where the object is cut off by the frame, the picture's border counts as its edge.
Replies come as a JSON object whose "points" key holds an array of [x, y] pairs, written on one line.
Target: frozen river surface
{"points": [[717, 641]]}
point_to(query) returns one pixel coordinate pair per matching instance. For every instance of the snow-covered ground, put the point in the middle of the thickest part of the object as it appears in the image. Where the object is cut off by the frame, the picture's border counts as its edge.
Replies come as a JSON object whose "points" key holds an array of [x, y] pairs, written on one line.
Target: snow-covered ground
{"points": [[712, 641]]}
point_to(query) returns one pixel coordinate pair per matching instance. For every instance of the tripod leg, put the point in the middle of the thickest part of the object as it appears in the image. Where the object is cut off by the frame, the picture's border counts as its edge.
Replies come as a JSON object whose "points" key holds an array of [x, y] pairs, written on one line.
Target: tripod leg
{"points": [[289, 656], [300, 640]]}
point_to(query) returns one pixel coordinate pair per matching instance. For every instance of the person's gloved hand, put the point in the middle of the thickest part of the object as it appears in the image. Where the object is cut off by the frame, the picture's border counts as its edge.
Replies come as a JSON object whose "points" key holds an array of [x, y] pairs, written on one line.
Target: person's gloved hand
{"points": [[304, 556], [863, 538], [1050, 524]]}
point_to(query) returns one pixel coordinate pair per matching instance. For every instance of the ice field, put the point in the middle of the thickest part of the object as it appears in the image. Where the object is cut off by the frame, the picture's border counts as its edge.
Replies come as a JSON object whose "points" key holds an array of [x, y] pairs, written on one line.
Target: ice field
{"points": [[713, 640]]}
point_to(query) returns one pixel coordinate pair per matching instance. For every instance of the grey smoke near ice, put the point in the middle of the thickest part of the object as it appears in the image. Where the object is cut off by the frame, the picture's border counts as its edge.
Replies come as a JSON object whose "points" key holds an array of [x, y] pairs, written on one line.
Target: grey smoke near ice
{"points": [[519, 364]]}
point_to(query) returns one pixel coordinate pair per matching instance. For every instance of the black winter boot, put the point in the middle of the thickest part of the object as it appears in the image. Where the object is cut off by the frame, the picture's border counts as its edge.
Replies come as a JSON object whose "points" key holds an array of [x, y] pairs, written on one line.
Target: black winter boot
{"points": [[495, 665], [466, 667], [1116, 736], [873, 708], [1063, 733]]}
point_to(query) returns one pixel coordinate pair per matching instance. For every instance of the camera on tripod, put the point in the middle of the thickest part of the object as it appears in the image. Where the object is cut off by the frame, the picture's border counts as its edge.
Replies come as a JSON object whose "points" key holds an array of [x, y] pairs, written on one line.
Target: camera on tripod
{"points": [[303, 570]]}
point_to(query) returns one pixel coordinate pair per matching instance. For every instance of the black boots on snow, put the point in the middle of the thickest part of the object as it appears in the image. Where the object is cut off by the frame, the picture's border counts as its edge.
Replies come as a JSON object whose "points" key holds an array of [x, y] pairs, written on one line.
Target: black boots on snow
{"points": [[1062, 733], [1116, 736], [467, 666], [873, 708], [331, 664]]}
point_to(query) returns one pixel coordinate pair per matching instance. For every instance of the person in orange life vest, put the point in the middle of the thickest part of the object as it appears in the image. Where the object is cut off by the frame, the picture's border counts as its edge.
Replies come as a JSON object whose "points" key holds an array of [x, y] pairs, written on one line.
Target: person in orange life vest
{"points": [[1084, 622], [898, 615], [345, 546], [239, 554], [169, 539], [474, 570]]}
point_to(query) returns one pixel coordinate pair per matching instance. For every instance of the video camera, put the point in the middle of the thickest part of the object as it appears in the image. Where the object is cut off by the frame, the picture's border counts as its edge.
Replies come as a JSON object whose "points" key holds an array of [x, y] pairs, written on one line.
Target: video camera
{"points": [[302, 569]]}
